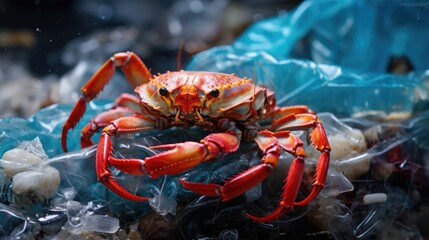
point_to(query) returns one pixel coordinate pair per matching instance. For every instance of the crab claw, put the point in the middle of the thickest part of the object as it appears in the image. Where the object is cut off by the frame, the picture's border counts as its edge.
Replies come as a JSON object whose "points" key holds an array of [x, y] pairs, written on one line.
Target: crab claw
{"points": [[207, 189], [178, 158], [118, 189], [104, 174], [276, 214]]}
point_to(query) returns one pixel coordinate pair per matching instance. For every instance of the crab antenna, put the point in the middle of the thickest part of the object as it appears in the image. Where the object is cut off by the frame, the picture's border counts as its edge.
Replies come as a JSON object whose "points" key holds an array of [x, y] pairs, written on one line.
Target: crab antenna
{"points": [[254, 80], [179, 55]]}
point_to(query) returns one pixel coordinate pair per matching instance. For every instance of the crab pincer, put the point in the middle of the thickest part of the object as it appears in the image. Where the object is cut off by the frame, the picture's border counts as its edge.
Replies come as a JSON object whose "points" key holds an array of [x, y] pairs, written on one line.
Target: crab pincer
{"points": [[178, 158]]}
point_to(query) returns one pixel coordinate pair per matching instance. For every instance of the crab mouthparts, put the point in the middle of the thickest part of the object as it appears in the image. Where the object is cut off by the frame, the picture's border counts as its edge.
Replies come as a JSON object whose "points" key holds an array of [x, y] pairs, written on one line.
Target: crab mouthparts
{"points": [[187, 100], [193, 115]]}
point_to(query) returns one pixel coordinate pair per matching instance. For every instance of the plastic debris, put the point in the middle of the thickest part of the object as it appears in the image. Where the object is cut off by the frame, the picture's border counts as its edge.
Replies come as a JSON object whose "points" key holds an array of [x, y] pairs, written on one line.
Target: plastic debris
{"points": [[162, 204], [84, 218], [338, 90], [345, 88], [99, 223], [229, 234], [16, 225], [385, 138], [335, 33]]}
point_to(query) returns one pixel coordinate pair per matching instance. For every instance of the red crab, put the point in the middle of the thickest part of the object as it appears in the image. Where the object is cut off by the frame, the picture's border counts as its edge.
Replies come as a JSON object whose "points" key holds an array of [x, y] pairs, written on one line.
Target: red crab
{"points": [[229, 106]]}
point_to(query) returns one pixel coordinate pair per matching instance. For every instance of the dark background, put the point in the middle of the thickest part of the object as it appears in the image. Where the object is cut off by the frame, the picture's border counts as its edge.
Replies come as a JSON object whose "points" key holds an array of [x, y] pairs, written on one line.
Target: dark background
{"points": [[37, 32]]}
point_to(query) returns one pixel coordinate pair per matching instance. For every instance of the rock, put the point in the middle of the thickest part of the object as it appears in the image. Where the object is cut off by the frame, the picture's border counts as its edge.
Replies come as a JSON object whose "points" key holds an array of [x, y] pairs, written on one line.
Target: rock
{"points": [[42, 183], [18, 160]]}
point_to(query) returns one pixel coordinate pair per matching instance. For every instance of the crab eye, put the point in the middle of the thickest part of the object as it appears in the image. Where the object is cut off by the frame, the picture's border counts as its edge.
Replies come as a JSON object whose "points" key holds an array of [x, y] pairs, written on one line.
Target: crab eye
{"points": [[214, 92], [163, 91]]}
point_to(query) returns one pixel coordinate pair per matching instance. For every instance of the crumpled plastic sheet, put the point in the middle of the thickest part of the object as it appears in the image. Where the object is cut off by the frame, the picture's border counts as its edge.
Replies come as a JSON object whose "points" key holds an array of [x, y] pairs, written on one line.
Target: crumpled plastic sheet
{"points": [[395, 161], [324, 88], [275, 40], [77, 170], [16, 225], [78, 173], [358, 34], [266, 51], [398, 169], [340, 90]]}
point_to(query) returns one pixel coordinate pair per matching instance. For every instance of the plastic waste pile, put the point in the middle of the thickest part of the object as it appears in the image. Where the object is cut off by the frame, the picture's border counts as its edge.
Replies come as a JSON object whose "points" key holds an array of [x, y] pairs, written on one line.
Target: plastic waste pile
{"points": [[328, 55]]}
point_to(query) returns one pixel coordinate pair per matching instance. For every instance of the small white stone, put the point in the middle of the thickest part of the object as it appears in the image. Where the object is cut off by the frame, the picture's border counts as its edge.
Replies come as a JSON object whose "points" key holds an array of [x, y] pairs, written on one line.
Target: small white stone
{"points": [[346, 146], [374, 198], [41, 183], [18, 160]]}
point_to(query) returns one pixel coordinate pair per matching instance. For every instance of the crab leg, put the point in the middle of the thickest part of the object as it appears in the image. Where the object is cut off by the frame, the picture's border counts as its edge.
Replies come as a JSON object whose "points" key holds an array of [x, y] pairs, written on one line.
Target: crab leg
{"points": [[178, 158], [285, 111], [100, 121], [244, 180], [104, 156], [318, 139], [134, 70], [104, 174], [294, 146], [270, 143], [128, 101], [125, 105]]}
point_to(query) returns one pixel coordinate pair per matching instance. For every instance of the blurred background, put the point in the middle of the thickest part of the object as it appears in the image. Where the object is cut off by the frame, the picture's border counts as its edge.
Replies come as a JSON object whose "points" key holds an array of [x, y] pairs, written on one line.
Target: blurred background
{"points": [[42, 40], [48, 49]]}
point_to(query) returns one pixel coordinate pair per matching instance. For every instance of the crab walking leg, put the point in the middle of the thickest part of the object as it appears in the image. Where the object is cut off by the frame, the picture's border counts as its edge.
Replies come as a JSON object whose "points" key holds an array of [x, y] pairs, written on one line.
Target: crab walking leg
{"points": [[270, 143], [318, 139], [280, 112], [128, 101], [319, 179], [104, 158], [125, 105], [293, 145], [134, 70]]}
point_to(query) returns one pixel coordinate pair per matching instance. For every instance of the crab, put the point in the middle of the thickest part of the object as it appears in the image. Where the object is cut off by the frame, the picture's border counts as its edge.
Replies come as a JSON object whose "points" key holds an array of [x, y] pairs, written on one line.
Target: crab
{"points": [[229, 106]]}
